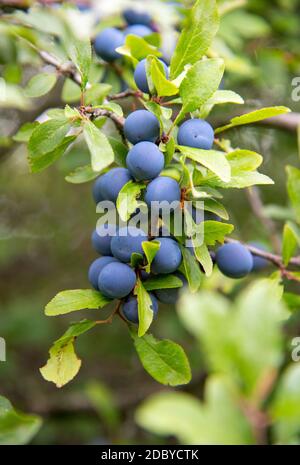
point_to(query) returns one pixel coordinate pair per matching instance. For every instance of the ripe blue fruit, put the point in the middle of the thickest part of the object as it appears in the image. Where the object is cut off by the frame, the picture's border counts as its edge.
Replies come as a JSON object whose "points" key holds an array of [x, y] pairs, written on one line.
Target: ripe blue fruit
{"points": [[168, 258], [170, 296], [106, 43], [139, 30], [101, 238], [140, 75], [127, 241], [259, 263], [108, 186], [130, 308], [136, 17], [196, 133], [162, 189], [234, 260], [96, 268], [97, 190], [141, 125], [116, 280], [145, 161]]}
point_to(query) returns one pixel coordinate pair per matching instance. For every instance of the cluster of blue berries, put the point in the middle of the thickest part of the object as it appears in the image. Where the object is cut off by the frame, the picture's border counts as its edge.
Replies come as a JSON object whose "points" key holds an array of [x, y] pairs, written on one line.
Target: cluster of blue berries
{"points": [[113, 273]]}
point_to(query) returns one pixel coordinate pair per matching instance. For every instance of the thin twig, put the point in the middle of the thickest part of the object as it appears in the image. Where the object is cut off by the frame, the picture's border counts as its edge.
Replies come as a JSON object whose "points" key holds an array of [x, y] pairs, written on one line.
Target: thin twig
{"points": [[109, 320], [125, 94], [119, 121]]}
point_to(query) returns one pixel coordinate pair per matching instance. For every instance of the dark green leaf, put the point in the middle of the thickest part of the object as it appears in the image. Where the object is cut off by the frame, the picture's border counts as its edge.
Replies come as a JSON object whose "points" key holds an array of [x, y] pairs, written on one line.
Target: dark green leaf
{"points": [[200, 28], [164, 360], [39, 162], [16, 428], [191, 269], [162, 282]]}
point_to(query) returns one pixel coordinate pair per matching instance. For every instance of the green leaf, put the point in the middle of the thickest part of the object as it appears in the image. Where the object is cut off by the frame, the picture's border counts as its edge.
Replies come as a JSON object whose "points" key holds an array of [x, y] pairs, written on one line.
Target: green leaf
{"points": [[170, 150], [70, 92], [200, 28], [220, 97], [102, 154], [14, 97], [191, 269], [144, 308], [46, 137], [63, 363], [203, 256], [40, 84], [39, 162], [81, 174], [200, 83], [293, 186], [150, 249], [103, 401], [164, 360], [127, 202], [163, 87], [78, 299], [162, 114], [25, 131], [215, 231], [243, 160], [120, 151], [254, 117], [285, 406], [113, 107], [213, 160], [137, 48], [80, 52], [216, 207], [232, 334], [136, 260], [162, 282], [292, 301], [96, 93], [291, 241], [243, 180], [218, 420], [16, 428]]}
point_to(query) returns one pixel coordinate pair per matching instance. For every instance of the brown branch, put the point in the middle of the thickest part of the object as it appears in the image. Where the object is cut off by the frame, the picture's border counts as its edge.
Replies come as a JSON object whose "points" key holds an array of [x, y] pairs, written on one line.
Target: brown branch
{"points": [[289, 122], [109, 320], [67, 69], [125, 94], [119, 121]]}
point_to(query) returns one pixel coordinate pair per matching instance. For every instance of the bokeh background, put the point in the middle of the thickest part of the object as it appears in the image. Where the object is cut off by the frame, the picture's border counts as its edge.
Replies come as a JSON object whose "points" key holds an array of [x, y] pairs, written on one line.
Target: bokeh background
{"points": [[45, 227]]}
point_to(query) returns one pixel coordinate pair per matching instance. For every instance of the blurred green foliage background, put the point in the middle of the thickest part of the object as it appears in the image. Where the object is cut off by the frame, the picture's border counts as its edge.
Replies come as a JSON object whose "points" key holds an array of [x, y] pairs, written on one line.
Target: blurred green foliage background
{"points": [[45, 247]]}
